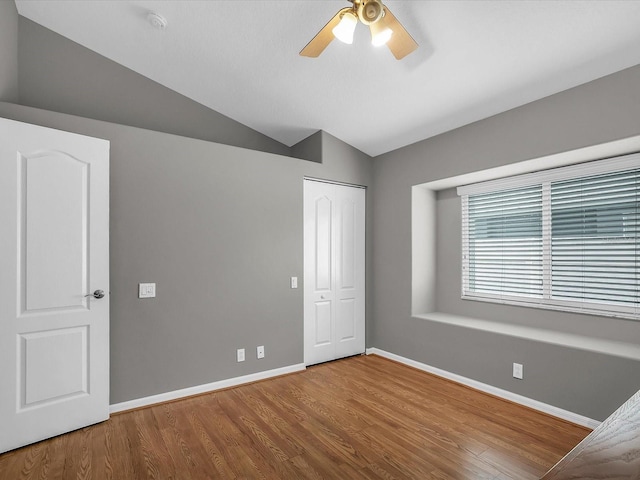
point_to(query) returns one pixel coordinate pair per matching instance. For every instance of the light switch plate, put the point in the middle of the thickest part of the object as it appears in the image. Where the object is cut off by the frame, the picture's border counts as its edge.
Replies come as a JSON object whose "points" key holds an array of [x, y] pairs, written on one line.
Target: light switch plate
{"points": [[260, 351], [518, 371], [294, 282], [146, 290]]}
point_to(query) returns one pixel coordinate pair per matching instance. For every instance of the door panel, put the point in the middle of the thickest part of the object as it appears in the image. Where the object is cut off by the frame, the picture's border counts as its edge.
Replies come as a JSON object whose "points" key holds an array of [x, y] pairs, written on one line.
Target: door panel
{"points": [[350, 262], [347, 319], [323, 333], [334, 279], [54, 251], [348, 245], [323, 246], [53, 205], [53, 365]]}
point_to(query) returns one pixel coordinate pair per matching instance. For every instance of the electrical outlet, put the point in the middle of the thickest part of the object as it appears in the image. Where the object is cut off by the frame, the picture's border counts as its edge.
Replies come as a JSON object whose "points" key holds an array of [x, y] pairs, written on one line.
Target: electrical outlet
{"points": [[240, 354], [518, 371], [260, 351]]}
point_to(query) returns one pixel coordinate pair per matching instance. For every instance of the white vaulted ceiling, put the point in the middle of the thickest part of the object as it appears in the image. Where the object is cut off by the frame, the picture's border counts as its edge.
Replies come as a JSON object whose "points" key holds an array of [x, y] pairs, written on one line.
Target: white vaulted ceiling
{"points": [[475, 59]]}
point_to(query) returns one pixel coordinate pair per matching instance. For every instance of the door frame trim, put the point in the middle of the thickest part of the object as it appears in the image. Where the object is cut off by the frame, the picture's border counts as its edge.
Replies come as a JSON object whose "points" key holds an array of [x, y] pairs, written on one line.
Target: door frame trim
{"points": [[334, 182]]}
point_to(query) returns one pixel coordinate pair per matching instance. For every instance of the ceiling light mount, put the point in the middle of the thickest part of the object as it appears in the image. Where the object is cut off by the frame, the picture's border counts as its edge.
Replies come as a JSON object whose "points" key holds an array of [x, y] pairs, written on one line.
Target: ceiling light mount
{"points": [[157, 21], [369, 11]]}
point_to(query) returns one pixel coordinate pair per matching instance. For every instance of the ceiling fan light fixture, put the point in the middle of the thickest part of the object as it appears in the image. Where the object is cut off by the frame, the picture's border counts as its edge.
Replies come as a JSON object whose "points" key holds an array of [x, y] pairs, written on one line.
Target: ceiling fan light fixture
{"points": [[385, 29], [344, 30], [380, 34]]}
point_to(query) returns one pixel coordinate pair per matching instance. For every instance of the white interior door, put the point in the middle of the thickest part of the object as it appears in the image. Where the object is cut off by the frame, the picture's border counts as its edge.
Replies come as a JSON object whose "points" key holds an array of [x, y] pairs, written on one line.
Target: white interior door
{"points": [[334, 271], [54, 251]]}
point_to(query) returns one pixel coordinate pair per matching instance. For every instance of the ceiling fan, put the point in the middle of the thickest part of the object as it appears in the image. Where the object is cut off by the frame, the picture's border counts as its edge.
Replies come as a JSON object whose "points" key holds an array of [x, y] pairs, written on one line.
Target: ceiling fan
{"points": [[385, 29]]}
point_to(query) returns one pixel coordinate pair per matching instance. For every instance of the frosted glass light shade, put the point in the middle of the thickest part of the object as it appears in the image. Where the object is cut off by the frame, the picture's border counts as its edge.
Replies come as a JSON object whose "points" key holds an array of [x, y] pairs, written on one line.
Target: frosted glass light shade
{"points": [[344, 30], [380, 34]]}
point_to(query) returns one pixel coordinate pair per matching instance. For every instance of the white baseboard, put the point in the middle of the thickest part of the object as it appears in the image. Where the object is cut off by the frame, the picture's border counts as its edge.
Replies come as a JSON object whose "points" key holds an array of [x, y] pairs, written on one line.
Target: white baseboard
{"points": [[498, 392], [232, 382], [209, 387]]}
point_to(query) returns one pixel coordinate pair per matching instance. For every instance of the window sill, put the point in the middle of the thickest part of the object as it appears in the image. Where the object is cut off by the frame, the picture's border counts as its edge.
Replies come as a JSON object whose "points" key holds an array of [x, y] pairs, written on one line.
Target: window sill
{"points": [[553, 337], [604, 311]]}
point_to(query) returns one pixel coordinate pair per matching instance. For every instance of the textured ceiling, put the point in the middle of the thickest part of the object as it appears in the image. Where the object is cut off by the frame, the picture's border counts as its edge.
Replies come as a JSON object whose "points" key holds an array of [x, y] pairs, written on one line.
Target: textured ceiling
{"points": [[475, 59]]}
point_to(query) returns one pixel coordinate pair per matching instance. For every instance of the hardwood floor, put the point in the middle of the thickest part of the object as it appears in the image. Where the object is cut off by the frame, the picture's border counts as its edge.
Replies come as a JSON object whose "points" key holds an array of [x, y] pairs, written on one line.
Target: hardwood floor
{"points": [[358, 418]]}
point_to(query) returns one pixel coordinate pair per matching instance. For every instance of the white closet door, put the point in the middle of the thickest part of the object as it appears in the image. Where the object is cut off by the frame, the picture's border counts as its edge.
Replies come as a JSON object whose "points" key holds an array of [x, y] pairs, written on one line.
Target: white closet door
{"points": [[334, 271], [54, 254]]}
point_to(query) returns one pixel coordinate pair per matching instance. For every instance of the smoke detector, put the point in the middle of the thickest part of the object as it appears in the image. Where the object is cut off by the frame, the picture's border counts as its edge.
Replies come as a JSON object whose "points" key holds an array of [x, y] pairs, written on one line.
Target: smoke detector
{"points": [[157, 21]]}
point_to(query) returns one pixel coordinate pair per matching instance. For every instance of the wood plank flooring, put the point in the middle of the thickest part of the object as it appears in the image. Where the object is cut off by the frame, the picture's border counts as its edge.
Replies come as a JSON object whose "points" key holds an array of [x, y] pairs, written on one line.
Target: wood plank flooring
{"points": [[358, 418]]}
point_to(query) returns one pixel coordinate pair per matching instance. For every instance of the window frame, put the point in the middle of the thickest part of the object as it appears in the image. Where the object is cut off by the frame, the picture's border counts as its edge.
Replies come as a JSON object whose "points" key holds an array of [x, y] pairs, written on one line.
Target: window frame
{"points": [[545, 178]]}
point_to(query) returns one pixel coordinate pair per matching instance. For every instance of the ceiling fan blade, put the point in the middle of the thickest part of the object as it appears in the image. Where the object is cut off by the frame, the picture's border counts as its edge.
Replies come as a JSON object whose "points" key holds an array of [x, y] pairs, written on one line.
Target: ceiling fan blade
{"points": [[401, 43], [323, 38]]}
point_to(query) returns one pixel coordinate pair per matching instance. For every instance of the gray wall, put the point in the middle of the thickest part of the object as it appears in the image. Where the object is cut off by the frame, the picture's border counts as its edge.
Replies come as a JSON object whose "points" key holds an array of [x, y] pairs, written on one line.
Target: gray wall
{"points": [[219, 229], [8, 51], [58, 74], [587, 383]]}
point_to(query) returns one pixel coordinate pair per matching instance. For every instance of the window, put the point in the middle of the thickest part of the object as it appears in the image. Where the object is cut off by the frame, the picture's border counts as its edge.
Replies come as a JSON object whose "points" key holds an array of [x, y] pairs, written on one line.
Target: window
{"points": [[567, 239]]}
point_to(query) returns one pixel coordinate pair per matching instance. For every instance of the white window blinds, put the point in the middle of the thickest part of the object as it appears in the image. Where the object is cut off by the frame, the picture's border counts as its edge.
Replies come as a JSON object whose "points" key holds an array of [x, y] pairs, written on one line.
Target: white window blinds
{"points": [[594, 238], [504, 247], [567, 238]]}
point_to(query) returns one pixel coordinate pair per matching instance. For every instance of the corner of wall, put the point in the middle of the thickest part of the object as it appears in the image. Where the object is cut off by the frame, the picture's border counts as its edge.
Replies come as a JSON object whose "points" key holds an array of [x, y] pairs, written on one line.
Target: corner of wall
{"points": [[310, 148], [9, 52], [423, 249], [330, 144]]}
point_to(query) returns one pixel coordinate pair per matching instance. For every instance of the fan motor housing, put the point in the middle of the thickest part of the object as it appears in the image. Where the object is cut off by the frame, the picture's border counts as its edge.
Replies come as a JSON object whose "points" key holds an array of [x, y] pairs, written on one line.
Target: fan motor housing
{"points": [[370, 11]]}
